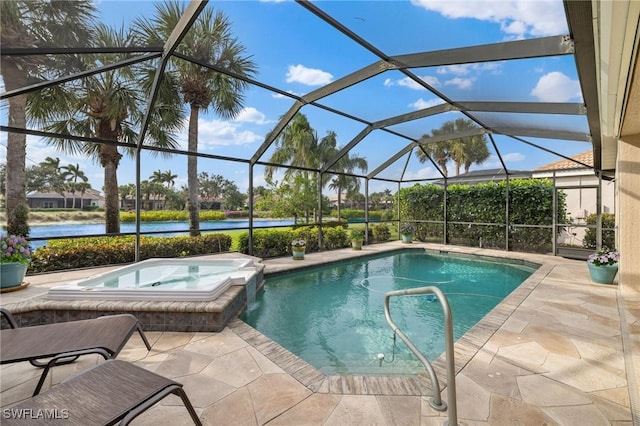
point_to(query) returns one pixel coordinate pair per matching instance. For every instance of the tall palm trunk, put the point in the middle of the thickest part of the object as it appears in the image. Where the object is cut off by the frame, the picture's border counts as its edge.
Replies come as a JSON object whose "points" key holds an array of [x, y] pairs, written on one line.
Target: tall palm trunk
{"points": [[73, 195], [16, 151], [110, 159], [192, 174]]}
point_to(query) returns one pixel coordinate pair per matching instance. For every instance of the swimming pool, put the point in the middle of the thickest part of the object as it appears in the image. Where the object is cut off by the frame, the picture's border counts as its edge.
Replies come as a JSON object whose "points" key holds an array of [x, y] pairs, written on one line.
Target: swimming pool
{"points": [[163, 279], [333, 316]]}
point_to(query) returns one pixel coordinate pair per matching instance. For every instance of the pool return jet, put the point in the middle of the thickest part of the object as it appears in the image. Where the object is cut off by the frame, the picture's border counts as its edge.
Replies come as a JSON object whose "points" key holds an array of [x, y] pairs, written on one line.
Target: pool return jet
{"points": [[436, 402]]}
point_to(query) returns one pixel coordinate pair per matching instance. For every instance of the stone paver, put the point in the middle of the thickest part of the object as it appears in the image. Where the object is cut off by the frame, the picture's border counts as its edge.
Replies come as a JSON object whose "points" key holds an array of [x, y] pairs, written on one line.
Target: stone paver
{"points": [[554, 356]]}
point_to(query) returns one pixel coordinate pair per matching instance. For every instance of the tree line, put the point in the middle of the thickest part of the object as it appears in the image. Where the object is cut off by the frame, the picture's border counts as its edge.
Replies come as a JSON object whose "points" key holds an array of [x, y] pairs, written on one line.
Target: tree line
{"points": [[111, 106]]}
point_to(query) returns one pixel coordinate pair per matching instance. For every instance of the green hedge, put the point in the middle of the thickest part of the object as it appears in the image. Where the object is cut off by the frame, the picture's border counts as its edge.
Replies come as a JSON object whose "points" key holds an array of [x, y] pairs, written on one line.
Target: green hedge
{"points": [[530, 203], [277, 242], [354, 215], [169, 215], [100, 251]]}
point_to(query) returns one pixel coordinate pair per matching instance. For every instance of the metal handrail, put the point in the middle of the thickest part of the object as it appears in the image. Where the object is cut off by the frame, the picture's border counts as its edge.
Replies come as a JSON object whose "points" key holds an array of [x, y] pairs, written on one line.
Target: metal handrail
{"points": [[435, 402]]}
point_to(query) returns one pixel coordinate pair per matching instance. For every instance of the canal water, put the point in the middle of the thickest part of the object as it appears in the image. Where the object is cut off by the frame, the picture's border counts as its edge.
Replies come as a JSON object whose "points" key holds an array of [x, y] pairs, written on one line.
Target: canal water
{"points": [[160, 229]]}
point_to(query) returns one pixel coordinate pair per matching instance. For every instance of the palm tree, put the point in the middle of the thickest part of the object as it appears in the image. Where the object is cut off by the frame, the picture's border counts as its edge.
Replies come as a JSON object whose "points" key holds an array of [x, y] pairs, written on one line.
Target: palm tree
{"points": [[72, 174], [27, 24], [157, 177], [387, 197], [347, 164], [463, 151], [210, 40], [298, 145], [169, 178], [439, 152], [82, 187], [127, 191], [55, 179], [110, 106], [477, 152], [52, 164], [468, 150]]}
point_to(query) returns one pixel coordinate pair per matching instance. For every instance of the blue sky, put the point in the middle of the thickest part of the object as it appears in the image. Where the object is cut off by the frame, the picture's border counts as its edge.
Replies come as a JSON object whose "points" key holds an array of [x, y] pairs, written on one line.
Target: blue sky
{"points": [[298, 53]]}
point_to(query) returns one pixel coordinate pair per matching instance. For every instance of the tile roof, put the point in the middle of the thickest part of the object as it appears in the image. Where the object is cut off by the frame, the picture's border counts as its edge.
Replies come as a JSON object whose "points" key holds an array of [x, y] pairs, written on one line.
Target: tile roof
{"points": [[584, 157]]}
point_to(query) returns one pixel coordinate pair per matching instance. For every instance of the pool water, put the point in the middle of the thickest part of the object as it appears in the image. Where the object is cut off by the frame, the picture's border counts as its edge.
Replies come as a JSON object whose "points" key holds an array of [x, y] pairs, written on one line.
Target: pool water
{"points": [[333, 316]]}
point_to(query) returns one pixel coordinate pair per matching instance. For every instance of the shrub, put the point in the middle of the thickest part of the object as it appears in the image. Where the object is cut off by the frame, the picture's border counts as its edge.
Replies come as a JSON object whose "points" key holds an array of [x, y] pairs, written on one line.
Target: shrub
{"points": [[381, 232], [356, 234], [100, 251], [237, 214], [335, 238], [608, 236]]}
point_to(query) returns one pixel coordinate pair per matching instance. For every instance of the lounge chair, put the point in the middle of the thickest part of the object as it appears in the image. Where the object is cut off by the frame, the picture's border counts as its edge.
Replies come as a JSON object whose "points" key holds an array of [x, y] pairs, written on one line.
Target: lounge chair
{"points": [[64, 342], [111, 392]]}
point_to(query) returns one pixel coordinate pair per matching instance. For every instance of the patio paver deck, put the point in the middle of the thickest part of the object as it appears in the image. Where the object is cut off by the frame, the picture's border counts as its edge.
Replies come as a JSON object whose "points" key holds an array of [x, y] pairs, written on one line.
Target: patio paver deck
{"points": [[558, 353]]}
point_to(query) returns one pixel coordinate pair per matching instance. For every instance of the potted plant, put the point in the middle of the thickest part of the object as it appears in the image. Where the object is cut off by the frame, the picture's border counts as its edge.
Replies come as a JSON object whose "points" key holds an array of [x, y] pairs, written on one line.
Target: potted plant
{"points": [[15, 255], [357, 238], [603, 265], [297, 248], [406, 232]]}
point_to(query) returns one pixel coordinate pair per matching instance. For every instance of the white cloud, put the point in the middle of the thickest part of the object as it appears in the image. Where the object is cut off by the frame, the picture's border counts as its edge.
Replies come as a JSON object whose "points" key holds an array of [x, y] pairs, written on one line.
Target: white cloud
{"points": [[517, 18], [422, 104], [466, 69], [557, 87], [218, 133], [424, 173], [279, 96], [409, 83], [518, 28], [513, 157], [493, 162], [460, 83], [309, 76], [251, 115]]}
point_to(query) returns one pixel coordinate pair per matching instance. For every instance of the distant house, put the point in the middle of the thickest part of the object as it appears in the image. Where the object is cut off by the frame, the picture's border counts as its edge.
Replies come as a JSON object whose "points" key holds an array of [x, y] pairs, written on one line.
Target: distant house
{"points": [[54, 200], [580, 184], [484, 176], [158, 202], [153, 202]]}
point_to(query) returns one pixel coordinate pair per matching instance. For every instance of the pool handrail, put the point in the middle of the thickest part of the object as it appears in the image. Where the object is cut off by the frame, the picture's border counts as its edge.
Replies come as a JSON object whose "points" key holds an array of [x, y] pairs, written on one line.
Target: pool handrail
{"points": [[435, 402]]}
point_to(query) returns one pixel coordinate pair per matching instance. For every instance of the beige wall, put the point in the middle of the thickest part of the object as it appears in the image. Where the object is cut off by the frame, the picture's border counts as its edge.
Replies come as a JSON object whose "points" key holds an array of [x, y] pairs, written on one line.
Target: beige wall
{"points": [[628, 184]]}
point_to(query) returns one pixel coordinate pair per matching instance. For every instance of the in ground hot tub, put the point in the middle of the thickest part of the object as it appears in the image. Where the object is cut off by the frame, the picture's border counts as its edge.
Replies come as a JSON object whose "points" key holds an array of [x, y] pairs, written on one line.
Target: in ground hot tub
{"points": [[162, 279]]}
